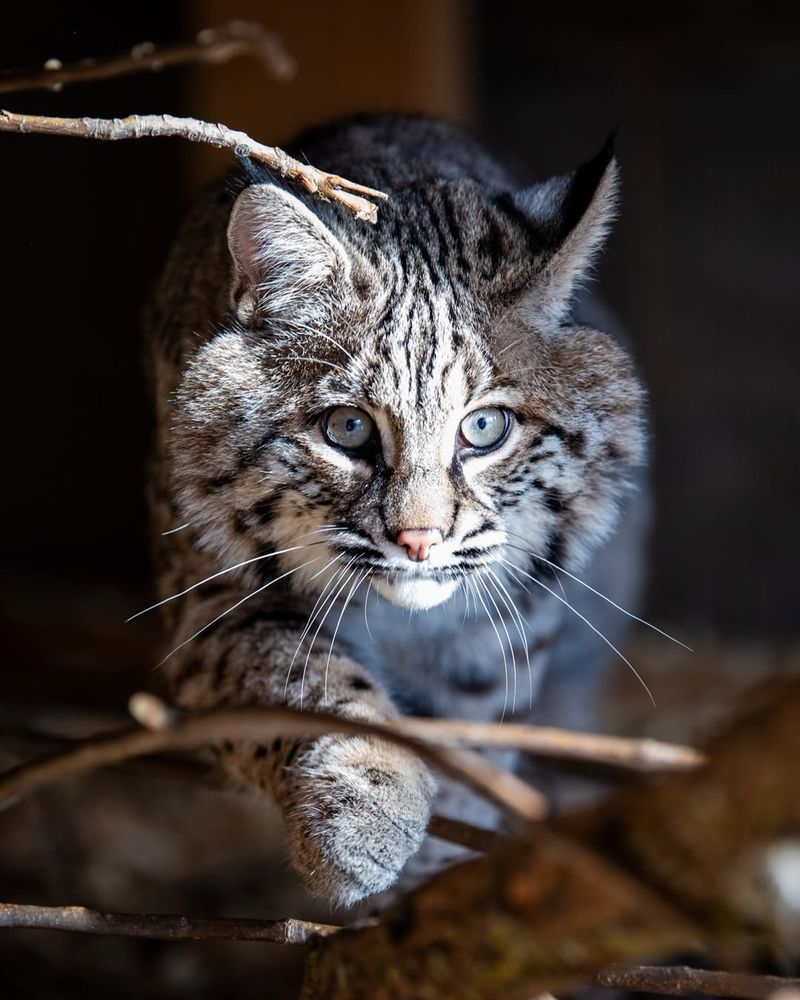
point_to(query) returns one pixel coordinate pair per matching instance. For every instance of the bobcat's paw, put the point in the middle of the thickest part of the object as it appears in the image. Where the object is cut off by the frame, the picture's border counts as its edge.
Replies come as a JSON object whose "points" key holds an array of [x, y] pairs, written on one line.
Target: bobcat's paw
{"points": [[358, 809]]}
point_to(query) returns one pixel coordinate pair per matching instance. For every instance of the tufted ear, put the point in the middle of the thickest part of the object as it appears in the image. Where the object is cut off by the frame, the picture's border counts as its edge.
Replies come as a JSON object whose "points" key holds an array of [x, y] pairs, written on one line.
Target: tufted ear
{"points": [[287, 263], [572, 214]]}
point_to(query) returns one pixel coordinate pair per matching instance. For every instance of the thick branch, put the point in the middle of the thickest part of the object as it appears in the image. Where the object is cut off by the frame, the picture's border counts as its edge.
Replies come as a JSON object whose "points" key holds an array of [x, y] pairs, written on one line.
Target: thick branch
{"points": [[318, 182], [517, 799], [211, 46], [676, 981], [163, 926]]}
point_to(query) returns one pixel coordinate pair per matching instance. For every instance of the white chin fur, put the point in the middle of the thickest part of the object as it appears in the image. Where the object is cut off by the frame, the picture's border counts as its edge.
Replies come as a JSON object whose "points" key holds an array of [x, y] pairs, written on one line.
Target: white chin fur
{"points": [[414, 592]]}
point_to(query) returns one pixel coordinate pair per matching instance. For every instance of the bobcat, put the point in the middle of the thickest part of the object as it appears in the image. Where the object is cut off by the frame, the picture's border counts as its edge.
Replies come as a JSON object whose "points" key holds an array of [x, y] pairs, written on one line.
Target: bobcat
{"points": [[378, 449]]}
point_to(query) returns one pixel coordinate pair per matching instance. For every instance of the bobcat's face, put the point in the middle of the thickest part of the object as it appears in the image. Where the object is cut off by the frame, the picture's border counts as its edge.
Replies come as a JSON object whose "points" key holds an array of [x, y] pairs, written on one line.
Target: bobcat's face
{"points": [[385, 410]]}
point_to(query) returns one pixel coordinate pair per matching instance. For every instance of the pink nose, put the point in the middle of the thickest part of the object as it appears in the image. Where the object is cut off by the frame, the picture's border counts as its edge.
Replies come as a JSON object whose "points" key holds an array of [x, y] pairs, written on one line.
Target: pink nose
{"points": [[419, 541]]}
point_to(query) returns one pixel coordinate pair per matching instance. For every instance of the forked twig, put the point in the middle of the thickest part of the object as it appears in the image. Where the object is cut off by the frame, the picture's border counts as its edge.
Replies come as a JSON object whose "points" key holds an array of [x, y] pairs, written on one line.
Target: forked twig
{"points": [[354, 197], [518, 800], [212, 46], [438, 741]]}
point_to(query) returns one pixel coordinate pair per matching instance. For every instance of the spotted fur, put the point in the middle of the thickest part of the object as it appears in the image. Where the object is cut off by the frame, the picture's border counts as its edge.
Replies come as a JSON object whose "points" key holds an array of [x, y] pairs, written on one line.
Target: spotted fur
{"points": [[275, 308]]}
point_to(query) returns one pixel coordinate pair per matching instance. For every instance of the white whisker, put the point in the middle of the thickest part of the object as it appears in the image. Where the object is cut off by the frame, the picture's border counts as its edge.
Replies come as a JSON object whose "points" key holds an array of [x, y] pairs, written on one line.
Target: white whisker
{"points": [[238, 604], [366, 601], [347, 600], [464, 590], [475, 591], [314, 361], [594, 628], [230, 569], [510, 648], [172, 531], [517, 618], [604, 597], [319, 333], [310, 620], [509, 346], [322, 622]]}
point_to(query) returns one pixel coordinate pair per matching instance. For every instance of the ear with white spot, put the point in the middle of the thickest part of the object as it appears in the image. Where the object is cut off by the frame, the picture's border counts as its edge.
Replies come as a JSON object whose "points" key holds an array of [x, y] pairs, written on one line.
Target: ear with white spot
{"points": [[572, 214], [287, 263]]}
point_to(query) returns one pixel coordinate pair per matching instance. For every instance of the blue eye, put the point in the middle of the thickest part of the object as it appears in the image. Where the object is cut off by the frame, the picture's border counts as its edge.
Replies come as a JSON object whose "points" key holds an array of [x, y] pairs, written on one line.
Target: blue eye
{"points": [[348, 427], [485, 428]]}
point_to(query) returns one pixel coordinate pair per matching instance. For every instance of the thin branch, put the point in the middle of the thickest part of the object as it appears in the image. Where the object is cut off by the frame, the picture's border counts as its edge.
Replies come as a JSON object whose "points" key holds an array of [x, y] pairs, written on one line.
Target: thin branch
{"points": [[518, 800], [23, 743], [317, 182], [212, 46], [456, 831], [153, 712], [680, 980], [668, 980], [162, 926], [633, 754]]}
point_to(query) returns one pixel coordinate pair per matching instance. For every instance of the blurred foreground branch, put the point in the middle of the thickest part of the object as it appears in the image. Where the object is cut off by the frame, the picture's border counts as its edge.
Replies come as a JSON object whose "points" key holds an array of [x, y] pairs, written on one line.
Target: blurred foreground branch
{"points": [[211, 46], [518, 800], [644, 755], [22, 743], [439, 741]]}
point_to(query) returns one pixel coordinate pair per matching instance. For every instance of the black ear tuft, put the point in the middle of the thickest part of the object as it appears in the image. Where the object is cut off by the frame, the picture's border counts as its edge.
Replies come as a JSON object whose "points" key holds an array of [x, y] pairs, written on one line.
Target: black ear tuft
{"points": [[252, 172], [585, 181], [571, 215]]}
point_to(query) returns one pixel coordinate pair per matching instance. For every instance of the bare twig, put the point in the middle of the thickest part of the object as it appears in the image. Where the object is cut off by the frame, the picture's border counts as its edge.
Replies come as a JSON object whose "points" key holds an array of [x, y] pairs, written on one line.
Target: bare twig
{"points": [[634, 754], [211, 46], [667, 980], [456, 831], [681, 980], [163, 926], [516, 798], [26, 744], [151, 711], [354, 197]]}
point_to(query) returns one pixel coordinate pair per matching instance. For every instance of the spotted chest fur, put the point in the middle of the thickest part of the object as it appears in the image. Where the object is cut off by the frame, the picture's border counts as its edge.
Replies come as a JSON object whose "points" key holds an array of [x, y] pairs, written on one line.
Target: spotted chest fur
{"points": [[381, 445]]}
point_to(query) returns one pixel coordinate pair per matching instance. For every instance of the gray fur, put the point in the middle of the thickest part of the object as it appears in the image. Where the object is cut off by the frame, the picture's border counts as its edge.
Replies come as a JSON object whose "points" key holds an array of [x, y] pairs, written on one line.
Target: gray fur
{"points": [[276, 307]]}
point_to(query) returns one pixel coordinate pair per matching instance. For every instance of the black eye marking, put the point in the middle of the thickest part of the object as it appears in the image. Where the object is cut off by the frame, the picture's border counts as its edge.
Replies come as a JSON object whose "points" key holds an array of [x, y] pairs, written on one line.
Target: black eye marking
{"points": [[359, 684]]}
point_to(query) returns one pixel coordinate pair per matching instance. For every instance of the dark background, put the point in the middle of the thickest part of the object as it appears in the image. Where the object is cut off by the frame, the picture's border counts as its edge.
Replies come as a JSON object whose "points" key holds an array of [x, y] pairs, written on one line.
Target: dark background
{"points": [[703, 267]]}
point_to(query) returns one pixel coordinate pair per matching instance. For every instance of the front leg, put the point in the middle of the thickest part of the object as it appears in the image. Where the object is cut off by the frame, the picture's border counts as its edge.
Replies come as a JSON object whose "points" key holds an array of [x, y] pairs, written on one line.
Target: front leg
{"points": [[356, 808]]}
